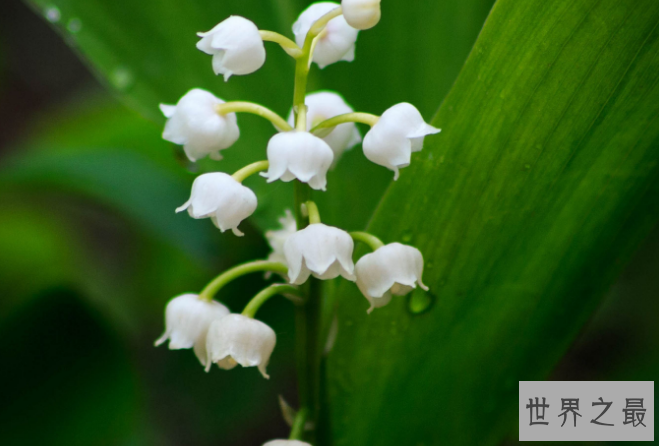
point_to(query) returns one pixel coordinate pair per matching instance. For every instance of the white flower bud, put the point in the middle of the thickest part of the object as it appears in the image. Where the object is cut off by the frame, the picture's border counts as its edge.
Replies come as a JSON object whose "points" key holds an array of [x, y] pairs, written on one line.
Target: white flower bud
{"points": [[335, 43], [236, 47], [361, 14], [299, 155], [399, 132], [195, 124], [321, 250], [286, 443], [237, 339], [323, 105], [277, 238], [187, 319], [219, 196], [392, 269]]}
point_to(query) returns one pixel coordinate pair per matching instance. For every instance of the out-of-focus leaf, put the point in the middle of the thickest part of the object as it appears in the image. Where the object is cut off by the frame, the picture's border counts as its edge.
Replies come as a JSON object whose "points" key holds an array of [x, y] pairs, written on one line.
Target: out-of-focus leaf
{"points": [[127, 181], [526, 207], [35, 252], [66, 373], [145, 51]]}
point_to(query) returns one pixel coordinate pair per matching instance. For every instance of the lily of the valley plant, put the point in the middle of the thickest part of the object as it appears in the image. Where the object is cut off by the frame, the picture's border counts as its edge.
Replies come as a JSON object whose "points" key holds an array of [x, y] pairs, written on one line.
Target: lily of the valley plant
{"points": [[321, 126]]}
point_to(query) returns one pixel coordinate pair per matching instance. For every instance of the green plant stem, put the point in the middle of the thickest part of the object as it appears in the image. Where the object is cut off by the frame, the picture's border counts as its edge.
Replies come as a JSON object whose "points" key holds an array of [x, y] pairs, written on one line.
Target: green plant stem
{"points": [[255, 109], [260, 265], [297, 430], [364, 118], [262, 297], [303, 63], [312, 212], [372, 241], [287, 44], [307, 326], [302, 195], [250, 170], [313, 314], [307, 316]]}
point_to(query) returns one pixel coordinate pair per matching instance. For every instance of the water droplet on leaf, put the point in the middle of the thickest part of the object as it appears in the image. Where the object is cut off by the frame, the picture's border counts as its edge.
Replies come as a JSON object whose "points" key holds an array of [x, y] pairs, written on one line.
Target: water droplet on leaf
{"points": [[121, 78], [52, 14], [420, 301], [74, 25]]}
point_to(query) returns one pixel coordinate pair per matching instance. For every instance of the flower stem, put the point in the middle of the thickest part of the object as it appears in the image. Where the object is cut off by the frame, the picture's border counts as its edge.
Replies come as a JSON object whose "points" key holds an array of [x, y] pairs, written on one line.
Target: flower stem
{"points": [[372, 241], [256, 109], [251, 267], [297, 430], [302, 195], [307, 326], [312, 212], [287, 44], [364, 118], [262, 297], [303, 62], [307, 316], [250, 170]]}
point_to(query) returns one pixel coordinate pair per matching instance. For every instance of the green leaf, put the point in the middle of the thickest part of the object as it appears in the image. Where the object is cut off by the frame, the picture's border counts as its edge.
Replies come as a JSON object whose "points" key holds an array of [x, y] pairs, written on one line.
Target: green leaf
{"points": [[127, 181], [544, 180]]}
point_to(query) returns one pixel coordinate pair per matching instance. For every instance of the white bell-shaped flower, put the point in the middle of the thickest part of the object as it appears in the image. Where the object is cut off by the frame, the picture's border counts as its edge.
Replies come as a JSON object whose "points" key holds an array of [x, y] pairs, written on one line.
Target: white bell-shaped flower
{"points": [[195, 124], [392, 269], [219, 196], [299, 155], [399, 132], [361, 14], [335, 43], [187, 319], [323, 105], [236, 47], [321, 250], [286, 443], [237, 339], [277, 237]]}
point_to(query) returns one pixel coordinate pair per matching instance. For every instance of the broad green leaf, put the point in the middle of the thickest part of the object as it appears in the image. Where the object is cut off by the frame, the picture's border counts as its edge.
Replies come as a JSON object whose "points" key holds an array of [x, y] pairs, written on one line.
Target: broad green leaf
{"points": [[145, 51], [526, 207], [127, 181]]}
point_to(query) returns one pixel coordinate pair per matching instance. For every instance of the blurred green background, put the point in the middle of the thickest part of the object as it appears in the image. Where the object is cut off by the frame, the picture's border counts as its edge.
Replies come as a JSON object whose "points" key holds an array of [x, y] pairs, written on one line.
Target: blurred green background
{"points": [[91, 250]]}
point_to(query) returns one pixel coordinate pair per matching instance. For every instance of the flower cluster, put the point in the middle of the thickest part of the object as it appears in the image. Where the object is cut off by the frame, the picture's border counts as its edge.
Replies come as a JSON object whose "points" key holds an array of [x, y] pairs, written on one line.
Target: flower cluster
{"points": [[318, 129]]}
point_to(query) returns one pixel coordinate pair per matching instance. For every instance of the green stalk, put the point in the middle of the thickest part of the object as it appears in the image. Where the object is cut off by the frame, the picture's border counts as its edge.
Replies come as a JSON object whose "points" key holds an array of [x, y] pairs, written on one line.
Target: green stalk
{"points": [[287, 44], [303, 63], [260, 265], [297, 430], [307, 316], [372, 241], [255, 109], [262, 297], [312, 212], [250, 170], [363, 118]]}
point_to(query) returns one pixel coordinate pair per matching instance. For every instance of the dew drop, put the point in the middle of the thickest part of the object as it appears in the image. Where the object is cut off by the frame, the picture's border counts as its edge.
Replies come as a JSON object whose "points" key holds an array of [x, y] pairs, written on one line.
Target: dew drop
{"points": [[420, 301], [52, 14], [407, 237], [121, 78], [74, 25], [527, 166]]}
